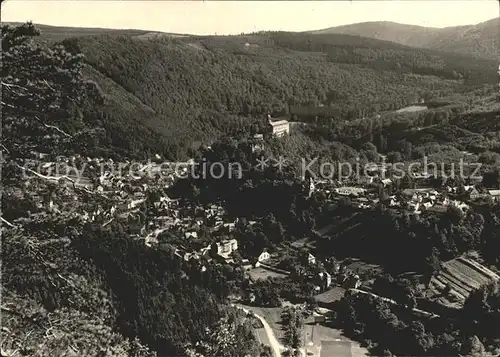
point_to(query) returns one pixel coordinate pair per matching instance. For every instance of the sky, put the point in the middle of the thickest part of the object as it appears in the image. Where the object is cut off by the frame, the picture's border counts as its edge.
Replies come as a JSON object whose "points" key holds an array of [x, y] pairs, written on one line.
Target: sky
{"points": [[235, 17]]}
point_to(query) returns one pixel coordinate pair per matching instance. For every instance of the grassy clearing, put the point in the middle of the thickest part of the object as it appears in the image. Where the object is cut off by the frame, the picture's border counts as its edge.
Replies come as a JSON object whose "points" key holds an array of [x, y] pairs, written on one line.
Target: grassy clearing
{"points": [[263, 274]]}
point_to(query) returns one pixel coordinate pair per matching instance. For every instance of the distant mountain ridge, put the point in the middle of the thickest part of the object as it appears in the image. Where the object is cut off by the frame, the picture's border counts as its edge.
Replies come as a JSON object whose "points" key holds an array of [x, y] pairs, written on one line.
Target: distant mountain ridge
{"points": [[481, 40], [59, 33]]}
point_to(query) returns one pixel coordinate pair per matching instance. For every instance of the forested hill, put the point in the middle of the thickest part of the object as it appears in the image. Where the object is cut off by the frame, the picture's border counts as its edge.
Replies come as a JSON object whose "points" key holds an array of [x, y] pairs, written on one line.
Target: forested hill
{"points": [[480, 40], [165, 94]]}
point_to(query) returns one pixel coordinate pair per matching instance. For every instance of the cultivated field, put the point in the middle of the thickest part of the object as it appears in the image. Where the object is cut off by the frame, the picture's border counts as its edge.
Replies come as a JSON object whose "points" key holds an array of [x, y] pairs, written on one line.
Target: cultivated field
{"points": [[462, 276]]}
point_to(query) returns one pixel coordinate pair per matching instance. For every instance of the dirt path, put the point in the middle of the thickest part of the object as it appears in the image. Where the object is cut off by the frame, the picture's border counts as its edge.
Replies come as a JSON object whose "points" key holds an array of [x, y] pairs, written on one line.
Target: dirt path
{"points": [[276, 346]]}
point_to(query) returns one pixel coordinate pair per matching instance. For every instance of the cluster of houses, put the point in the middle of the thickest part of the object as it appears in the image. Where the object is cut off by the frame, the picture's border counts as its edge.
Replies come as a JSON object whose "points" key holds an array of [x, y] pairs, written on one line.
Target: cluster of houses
{"points": [[326, 274], [222, 250], [373, 190], [419, 200], [129, 192]]}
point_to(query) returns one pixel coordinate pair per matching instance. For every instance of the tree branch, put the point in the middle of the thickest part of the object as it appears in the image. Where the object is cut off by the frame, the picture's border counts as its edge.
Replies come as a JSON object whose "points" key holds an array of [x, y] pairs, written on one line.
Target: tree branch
{"points": [[10, 85], [53, 127], [15, 312], [48, 85], [108, 222], [3, 146], [56, 240], [8, 105], [8, 223]]}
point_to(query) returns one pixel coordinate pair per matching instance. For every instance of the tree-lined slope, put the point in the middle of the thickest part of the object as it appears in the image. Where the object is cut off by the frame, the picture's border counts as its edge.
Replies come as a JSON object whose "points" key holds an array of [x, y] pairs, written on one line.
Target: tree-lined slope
{"points": [[169, 94]]}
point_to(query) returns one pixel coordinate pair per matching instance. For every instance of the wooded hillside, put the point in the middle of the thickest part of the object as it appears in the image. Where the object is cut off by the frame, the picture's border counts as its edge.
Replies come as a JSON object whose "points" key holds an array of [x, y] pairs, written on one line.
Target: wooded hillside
{"points": [[168, 95]]}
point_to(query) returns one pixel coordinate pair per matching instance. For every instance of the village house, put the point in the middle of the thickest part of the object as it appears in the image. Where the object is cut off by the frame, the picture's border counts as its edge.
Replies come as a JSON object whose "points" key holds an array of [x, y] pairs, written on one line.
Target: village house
{"points": [[191, 255], [139, 195], [473, 193], [393, 202], [350, 191], [246, 265], [164, 221], [495, 194], [386, 182], [40, 155], [420, 175], [437, 208], [106, 178], [443, 200], [258, 143], [229, 227], [216, 223], [427, 205], [367, 180], [311, 259], [363, 200], [326, 279], [168, 199], [352, 281], [460, 205], [160, 206], [263, 256], [227, 247], [413, 206], [191, 235]]}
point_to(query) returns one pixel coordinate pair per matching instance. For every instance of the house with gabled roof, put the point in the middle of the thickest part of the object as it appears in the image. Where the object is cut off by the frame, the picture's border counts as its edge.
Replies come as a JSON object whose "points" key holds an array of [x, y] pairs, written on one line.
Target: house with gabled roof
{"points": [[311, 259], [473, 193], [263, 256]]}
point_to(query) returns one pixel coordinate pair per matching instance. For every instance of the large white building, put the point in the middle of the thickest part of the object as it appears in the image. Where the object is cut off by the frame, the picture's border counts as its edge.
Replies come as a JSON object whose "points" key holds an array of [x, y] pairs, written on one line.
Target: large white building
{"points": [[278, 127], [226, 247]]}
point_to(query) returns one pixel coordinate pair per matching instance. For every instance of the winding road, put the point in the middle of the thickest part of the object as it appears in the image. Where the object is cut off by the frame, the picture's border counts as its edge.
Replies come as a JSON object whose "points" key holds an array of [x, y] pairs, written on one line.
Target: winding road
{"points": [[276, 346]]}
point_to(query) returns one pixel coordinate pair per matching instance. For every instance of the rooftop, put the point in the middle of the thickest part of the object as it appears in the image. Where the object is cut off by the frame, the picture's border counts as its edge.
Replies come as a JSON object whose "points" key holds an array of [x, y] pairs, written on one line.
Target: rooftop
{"points": [[275, 122], [330, 296]]}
